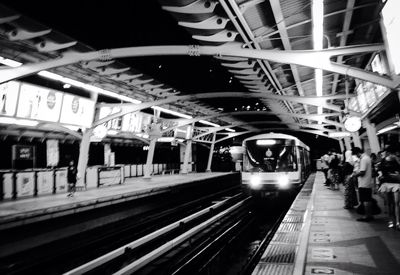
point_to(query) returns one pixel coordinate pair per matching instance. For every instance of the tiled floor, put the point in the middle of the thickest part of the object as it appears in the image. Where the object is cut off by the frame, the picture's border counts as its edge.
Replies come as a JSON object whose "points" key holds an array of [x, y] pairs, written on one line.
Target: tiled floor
{"points": [[338, 244]]}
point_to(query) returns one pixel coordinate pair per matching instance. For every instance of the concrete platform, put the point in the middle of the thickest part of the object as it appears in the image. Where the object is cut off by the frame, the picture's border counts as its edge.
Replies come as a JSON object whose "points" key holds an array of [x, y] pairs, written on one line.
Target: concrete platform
{"points": [[22, 211], [319, 236], [338, 244]]}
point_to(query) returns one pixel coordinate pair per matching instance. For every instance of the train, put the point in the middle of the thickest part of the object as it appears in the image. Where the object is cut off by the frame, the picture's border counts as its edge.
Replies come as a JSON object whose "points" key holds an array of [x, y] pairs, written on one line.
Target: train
{"points": [[274, 163]]}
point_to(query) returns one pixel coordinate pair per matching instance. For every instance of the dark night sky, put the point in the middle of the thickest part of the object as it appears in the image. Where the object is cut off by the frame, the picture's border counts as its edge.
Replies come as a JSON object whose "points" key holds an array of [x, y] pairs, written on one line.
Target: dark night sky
{"points": [[118, 23]]}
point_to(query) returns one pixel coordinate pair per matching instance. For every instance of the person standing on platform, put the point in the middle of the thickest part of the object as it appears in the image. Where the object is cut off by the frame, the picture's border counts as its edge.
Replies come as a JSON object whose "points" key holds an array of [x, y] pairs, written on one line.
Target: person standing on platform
{"points": [[325, 167], [350, 195], [389, 170], [71, 175], [334, 172], [365, 185]]}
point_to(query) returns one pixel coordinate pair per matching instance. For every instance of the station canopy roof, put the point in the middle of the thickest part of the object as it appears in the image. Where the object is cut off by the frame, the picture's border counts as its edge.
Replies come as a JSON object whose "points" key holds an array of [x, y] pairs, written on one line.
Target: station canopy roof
{"points": [[273, 94]]}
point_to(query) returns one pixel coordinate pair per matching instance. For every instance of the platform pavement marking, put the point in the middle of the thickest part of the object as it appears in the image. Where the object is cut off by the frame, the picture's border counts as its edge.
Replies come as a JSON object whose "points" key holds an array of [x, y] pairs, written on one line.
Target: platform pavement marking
{"points": [[322, 253], [320, 234], [322, 270]]}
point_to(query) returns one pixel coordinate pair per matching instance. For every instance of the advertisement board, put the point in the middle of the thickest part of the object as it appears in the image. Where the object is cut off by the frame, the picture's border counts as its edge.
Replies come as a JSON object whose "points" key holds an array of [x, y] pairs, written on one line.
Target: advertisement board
{"points": [[8, 98], [52, 152], [135, 122], [25, 184], [114, 124], [61, 181], [45, 182], [77, 111], [39, 103]]}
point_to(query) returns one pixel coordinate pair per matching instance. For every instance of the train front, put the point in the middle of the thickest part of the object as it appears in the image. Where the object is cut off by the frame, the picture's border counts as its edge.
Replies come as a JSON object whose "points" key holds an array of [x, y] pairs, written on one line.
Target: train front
{"points": [[270, 166]]}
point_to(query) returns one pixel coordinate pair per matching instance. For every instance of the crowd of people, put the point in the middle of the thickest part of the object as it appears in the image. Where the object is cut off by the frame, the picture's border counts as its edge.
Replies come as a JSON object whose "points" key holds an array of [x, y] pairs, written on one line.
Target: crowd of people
{"points": [[364, 175]]}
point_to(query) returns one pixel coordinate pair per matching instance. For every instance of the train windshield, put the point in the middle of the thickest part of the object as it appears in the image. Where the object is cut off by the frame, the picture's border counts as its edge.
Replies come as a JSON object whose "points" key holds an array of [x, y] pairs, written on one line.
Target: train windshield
{"points": [[271, 155]]}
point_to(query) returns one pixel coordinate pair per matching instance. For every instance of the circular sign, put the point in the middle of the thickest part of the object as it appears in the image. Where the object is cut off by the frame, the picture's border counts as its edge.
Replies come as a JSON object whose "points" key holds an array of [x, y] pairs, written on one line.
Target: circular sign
{"points": [[75, 105], [100, 131], [352, 124], [51, 99], [268, 153]]}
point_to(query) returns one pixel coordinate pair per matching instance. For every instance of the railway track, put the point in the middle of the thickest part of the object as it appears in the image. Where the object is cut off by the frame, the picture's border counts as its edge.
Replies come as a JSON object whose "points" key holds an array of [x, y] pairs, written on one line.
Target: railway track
{"points": [[65, 254]]}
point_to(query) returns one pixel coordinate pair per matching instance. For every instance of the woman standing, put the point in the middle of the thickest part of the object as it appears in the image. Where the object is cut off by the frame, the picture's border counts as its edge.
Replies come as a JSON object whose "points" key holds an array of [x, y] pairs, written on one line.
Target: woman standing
{"points": [[350, 196]]}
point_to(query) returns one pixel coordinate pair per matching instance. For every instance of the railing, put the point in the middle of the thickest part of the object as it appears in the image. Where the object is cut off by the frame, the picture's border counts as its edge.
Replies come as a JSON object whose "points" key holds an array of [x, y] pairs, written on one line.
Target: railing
{"points": [[37, 182]]}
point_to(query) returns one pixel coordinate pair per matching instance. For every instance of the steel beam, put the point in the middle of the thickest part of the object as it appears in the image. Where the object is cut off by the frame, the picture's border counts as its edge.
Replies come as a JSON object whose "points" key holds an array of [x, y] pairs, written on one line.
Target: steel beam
{"points": [[131, 107], [307, 58]]}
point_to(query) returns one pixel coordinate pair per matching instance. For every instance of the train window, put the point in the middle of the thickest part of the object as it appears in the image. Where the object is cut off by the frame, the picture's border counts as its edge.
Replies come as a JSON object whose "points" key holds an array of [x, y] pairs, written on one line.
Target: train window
{"points": [[278, 157]]}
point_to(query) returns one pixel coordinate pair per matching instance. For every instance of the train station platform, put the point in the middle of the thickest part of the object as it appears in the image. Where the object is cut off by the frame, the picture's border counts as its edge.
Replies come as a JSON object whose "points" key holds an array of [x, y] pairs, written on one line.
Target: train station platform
{"points": [[319, 236], [29, 210]]}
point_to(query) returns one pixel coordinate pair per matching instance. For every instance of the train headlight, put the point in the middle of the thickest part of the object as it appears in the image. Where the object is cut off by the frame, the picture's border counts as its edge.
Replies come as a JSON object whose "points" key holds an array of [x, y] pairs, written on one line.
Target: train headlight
{"points": [[283, 182], [255, 182]]}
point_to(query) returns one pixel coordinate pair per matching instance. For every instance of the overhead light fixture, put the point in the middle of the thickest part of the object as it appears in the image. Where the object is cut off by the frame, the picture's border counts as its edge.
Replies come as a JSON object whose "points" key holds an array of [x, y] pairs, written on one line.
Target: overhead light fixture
{"points": [[87, 87], [318, 32], [338, 134], [9, 62], [230, 130], [266, 142], [165, 139], [73, 127], [22, 122], [171, 112], [112, 132], [352, 124], [387, 129], [209, 123]]}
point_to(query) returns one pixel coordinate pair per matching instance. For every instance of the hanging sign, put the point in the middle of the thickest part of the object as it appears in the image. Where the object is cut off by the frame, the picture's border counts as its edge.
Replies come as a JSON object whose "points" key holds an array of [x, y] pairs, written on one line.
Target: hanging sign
{"points": [[39, 103], [23, 152], [77, 111], [8, 97]]}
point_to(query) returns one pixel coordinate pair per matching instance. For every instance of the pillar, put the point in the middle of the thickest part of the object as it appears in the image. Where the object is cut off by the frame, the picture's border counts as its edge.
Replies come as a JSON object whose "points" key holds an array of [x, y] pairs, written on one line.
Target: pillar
{"points": [[341, 145], [188, 150], [210, 155], [83, 157], [150, 155], [84, 147], [107, 153], [372, 136], [186, 160], [347, 143], [356, 139]]}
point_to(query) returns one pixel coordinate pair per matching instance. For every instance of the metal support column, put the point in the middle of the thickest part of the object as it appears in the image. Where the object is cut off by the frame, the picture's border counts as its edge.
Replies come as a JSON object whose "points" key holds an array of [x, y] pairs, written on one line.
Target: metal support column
{"points": [[83, 157], [210, 155], [356, 139], [372, 137], [347, 143], [188, 149], [341, 145], [149, 160]]}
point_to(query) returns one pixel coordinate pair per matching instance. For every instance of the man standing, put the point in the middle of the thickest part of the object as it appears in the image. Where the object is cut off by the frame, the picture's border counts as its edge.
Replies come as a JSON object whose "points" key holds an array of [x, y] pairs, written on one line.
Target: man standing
{"points": [[365, 184], [325, 159]]}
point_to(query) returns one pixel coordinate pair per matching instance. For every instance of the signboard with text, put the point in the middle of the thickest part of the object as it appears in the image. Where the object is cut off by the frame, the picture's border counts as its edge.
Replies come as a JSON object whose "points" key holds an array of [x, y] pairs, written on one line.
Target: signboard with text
{"points": [[23, 152], [39, 103]]}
